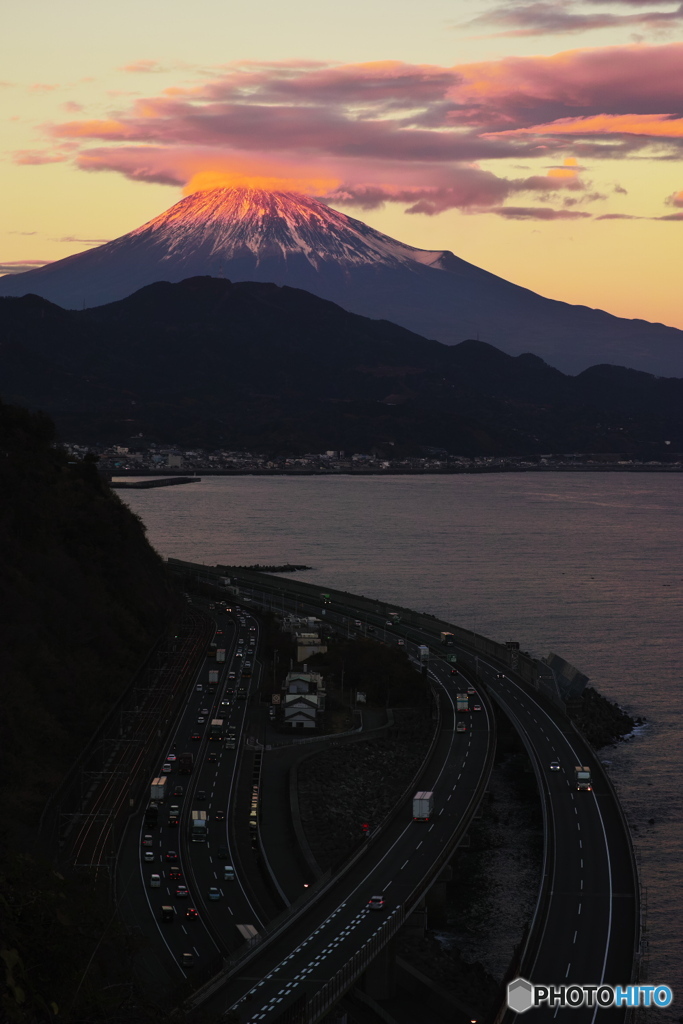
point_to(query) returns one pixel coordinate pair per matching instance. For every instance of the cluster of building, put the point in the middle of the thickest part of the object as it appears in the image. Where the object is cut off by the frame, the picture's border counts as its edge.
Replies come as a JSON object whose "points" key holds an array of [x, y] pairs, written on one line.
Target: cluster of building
{"points": [[155, 458], [303, 693]]}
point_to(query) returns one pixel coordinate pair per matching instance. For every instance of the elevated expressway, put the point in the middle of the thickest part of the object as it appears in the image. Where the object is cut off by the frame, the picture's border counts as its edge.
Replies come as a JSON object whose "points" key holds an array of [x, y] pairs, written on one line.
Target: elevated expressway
{"points": [[586, 925]]}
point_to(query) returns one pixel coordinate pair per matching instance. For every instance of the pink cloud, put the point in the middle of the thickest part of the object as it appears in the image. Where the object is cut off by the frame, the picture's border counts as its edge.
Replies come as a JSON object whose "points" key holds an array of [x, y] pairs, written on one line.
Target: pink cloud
{"points": [[37, 156], [42, 87], [365, 134], [144, 66], [537, 213], [660, 125], [675, 199], [547, 18]]}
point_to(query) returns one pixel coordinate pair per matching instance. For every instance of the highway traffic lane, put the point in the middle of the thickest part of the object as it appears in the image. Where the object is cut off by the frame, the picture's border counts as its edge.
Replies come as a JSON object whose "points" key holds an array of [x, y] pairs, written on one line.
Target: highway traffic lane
{"points": [[192, 935], [219, 781], [584, 916], [401, 857]]}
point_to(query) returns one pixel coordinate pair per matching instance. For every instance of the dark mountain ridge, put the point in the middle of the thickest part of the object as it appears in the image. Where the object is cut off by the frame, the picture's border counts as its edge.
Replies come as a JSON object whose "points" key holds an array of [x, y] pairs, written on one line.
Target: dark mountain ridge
{"points": [[273, 368], [289, 239]]}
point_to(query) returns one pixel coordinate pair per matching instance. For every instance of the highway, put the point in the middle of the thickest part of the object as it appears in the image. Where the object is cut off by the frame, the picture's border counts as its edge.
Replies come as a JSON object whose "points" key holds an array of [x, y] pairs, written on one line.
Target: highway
{"points": [[213, 932], [304, 959], [586, 926]]}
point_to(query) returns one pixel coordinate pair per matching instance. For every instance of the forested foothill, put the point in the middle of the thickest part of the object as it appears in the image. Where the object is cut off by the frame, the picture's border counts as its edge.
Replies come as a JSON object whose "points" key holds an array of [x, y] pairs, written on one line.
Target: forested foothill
{"points": [[84, 597]]}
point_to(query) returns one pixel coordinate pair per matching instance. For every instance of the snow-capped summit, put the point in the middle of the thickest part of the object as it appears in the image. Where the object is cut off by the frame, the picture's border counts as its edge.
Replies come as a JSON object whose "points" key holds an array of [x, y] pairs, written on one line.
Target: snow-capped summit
{"points": [[230, 222], [246, 234]]}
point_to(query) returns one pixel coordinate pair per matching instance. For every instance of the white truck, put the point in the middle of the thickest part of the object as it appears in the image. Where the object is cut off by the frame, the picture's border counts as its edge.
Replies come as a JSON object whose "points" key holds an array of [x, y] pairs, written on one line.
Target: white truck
{"points": [[462, 702], [157, 790], [220, 654], [423, 653], [213, 676], [198, 827], [423, 805], [582, 773]]}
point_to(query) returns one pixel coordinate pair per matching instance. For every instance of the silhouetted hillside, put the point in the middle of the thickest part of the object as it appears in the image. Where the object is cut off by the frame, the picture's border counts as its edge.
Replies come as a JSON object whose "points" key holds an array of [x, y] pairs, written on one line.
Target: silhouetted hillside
{"points": [[210, 363], [84, 597]]}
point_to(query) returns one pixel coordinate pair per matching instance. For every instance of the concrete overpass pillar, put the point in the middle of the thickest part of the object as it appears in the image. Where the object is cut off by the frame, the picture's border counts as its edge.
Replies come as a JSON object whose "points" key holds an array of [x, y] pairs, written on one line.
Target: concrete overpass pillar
{"points": [[416, 925], [379, 980], [436, 897]]}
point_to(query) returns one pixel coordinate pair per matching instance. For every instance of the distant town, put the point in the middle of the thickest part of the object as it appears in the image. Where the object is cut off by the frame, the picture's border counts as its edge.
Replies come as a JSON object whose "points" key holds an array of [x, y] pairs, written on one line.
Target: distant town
{"points": [[152, 459]]}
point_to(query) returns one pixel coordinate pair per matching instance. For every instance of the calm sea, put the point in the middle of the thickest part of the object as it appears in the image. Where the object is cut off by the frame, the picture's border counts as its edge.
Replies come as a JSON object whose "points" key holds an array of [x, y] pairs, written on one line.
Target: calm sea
{"points": [[586, 565]]}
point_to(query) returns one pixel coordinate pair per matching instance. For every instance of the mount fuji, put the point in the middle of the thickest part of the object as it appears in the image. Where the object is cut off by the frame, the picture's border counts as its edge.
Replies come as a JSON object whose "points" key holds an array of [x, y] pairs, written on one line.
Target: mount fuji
{"points": [[246, 234]]}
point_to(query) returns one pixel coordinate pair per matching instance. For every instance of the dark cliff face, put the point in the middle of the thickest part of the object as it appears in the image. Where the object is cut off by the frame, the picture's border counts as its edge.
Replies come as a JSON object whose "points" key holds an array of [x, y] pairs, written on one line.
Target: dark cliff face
{"points": [[83, 597]]}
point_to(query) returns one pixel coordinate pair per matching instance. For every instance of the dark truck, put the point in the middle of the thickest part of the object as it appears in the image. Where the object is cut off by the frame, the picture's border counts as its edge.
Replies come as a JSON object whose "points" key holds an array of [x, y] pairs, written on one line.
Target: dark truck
{"points": [[185, 763]]}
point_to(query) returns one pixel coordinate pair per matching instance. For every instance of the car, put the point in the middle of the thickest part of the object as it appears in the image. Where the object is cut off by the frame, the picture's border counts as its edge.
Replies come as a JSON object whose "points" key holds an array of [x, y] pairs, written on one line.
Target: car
{"points": [[240, 642], [171, 757], [554, 766], [238, 654], [476, 707], [357, 622], [178, 791], [470, 689], [271, 713], [228, 873], [166, 769], [400, 643], [174, 873], [148, 855], [461, 727], [213, 757], [231, 675], [199, 687], [171, 855], [500, 675], [219, 632], [148, 840], [252, 629], [201, 794], [196, 736], [174, 809], [219, 816], [204, 711], [214, 893], [187, 959], [222, 852], [247, 664], [173, 821], [201, 720], [250, 651], [181, 892], [376, 903], [155, 881], [192, 913], [454, 671], [388, 623]]}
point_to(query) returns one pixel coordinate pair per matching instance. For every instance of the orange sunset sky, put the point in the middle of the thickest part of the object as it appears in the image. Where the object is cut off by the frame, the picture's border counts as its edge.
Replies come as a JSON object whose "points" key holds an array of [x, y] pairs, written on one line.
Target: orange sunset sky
{"points": [[538, 139]]}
